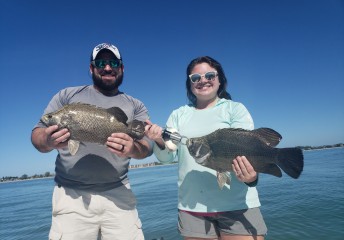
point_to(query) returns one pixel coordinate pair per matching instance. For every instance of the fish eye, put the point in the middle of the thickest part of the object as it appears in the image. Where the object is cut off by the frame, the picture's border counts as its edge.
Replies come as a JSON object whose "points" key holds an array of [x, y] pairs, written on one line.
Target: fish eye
{"points": [[50, 116]]}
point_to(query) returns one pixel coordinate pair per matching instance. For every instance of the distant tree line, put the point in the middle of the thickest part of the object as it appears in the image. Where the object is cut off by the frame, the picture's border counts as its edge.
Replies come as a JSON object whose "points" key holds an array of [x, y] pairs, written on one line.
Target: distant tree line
{"points": [[26, 177], [321, 147]]}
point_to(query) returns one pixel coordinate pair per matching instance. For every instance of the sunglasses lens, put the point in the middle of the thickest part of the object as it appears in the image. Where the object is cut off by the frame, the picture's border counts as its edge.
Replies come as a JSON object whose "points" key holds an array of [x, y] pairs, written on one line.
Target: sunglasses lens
{"points": [[195, 77], [210, 75], [114, 63], [99, 63], [102, 63]]}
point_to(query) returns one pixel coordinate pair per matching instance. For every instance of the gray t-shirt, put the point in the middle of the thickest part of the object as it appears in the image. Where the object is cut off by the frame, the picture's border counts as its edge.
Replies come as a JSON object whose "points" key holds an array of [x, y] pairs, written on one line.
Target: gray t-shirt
{"points": [[93, 167]]}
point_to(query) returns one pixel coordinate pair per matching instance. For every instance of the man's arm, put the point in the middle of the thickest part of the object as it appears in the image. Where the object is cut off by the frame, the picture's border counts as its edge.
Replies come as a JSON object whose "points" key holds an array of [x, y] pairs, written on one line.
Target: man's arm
{"points": [[141, 149], [47, 139]]}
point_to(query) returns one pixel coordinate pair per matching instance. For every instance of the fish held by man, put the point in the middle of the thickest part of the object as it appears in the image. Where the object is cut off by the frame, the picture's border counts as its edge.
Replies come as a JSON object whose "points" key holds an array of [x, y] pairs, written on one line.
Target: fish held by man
{"points": [[218, 149], [89, 123]]}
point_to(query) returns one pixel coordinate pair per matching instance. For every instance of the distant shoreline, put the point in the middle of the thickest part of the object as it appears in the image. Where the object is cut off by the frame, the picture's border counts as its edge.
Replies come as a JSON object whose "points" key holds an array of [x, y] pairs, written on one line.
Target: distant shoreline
{"points": [[318, 149], [305, 148], [29, 179], [157, 164], [146, 165]]}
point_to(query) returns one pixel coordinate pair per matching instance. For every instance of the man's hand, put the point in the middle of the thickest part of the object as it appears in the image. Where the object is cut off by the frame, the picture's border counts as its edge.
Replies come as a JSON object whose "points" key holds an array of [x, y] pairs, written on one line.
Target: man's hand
{"points": [[120, 144], [47, 139], [123, 145]]}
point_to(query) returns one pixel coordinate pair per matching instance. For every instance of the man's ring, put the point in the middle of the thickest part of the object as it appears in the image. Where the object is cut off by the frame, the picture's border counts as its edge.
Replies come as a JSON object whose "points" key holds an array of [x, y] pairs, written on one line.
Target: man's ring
{"points": [[122, 148]]}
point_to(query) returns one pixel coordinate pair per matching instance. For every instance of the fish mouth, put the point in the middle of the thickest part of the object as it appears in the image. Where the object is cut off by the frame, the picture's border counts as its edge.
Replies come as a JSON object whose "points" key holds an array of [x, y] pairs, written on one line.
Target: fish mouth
{"points": [[45, 120]]}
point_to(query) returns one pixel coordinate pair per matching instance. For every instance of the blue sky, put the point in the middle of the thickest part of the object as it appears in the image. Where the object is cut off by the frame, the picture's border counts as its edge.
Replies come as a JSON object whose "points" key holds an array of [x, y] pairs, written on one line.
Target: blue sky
{"points": [[284, 61]]}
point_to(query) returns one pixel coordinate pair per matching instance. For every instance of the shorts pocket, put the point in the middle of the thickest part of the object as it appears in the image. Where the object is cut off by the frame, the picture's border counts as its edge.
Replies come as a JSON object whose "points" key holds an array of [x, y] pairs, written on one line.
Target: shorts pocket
{"points": [[139, 232], [138, 223]]}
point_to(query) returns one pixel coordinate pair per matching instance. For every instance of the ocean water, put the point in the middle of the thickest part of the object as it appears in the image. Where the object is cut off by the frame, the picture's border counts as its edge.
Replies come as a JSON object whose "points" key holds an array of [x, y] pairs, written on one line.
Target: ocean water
{"points": [[311, 207]]}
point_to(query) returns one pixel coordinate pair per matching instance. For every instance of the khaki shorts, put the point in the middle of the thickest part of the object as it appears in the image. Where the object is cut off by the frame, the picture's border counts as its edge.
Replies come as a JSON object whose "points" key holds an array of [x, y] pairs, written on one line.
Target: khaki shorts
{"points": [[241, 222], [79, 214]]}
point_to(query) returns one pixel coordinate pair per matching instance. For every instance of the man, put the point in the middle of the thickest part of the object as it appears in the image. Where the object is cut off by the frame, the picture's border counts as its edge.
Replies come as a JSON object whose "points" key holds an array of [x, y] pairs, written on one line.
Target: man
{"points": [[92, 194]]}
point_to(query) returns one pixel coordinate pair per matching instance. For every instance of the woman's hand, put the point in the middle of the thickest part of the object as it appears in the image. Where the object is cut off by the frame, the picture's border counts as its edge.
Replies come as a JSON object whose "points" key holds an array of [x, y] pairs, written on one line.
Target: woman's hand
{"points": [[244, 170]]}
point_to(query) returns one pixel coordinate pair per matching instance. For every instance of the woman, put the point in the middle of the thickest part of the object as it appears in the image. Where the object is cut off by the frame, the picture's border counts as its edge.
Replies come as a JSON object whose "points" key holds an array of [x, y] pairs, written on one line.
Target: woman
{"points": [[204, 210]]}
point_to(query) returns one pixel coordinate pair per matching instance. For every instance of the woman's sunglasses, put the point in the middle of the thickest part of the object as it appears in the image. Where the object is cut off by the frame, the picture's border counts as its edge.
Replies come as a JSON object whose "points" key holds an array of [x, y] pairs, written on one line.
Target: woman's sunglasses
{"points": [[196, 77]]}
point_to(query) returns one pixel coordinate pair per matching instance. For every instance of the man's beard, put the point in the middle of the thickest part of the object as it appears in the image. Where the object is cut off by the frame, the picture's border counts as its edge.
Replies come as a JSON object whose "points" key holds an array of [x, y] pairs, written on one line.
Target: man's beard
{"points": [[97, 81]]}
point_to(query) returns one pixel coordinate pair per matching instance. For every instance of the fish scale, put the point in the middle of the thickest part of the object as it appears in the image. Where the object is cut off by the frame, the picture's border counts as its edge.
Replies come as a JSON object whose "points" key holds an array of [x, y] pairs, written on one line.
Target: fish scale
{"points": [[89, 123], [224, 151]]}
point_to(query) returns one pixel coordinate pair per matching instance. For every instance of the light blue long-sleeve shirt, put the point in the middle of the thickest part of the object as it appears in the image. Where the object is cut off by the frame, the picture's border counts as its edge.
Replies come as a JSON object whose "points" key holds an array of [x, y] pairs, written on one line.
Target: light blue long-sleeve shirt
{"points": [[197, 185]]}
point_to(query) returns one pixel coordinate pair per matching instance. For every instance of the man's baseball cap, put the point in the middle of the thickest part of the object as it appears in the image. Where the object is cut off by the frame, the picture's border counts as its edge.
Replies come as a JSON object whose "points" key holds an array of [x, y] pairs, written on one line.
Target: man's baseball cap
{"points": [[107, 46]]}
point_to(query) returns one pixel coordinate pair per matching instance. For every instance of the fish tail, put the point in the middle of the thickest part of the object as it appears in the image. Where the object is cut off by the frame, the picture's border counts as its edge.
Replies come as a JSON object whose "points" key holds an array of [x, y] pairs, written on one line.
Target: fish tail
{"points": [[290, 160], [136, 129]]}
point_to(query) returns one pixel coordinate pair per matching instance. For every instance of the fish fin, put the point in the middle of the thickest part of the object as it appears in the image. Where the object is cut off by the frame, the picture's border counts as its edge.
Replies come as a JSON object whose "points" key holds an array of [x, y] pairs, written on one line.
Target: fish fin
{"points": [[291, 161], [119, 114], [229, 178], [271, 169], [136, 129], [73, 146], [222, 179], [79, 104], [268, 135]]}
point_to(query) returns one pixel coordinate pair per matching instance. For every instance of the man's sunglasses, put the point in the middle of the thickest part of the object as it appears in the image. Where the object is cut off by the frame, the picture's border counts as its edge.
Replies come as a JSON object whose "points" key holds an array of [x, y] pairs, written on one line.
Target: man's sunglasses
{"points": [[196, 77], [100, 63]]}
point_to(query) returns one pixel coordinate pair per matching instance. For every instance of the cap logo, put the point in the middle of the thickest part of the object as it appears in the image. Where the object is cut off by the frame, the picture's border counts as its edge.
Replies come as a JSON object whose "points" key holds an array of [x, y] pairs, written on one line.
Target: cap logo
{"points": [[108, 46], [104, 45]]}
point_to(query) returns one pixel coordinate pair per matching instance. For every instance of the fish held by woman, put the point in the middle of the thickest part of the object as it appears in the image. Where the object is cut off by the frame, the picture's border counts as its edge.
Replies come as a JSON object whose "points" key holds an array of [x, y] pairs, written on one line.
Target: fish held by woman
{"points": [[89, 123], [218, 149]]}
